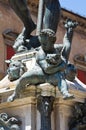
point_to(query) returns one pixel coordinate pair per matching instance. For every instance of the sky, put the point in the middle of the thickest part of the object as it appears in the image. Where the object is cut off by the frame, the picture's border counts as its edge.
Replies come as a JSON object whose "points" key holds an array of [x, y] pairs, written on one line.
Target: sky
{"points": [[76, 6]]}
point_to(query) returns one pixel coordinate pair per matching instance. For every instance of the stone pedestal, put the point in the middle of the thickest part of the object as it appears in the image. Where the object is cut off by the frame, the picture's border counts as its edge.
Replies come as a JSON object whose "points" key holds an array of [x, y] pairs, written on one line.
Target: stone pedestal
{"points": [[62, 114], [26, 108]]}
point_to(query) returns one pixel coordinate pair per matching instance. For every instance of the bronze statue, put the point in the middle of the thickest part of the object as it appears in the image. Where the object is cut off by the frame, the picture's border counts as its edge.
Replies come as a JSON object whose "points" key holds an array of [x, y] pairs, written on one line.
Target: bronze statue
{"points": [[51, 19], [15, 70], [78, 120], [50, 63], [21, 9]]}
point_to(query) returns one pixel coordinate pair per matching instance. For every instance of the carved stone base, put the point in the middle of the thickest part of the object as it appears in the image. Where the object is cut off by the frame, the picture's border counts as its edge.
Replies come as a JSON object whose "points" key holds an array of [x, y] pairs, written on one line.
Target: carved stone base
{"points": [[26, 108]]}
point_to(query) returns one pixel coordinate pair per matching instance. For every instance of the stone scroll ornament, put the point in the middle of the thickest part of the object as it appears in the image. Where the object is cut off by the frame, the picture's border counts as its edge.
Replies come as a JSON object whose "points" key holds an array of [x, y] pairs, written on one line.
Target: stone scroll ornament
{"points": [[9, 123], [78, 121]]}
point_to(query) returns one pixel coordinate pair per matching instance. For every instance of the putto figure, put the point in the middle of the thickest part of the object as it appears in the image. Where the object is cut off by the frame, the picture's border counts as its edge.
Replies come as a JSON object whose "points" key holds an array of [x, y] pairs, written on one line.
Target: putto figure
{"points": [[50, 64], [51, 19]]}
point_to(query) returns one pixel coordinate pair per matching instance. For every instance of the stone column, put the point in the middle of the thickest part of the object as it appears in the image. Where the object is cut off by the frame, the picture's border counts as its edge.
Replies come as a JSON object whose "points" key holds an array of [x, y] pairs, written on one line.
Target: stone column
{"points": [[45, 107], [45, 100], [62, 113]]}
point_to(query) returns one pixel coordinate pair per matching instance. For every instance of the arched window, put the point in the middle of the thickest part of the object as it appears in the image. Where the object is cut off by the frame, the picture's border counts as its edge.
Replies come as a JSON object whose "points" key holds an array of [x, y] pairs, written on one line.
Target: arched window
{"points": [[80, 62]]}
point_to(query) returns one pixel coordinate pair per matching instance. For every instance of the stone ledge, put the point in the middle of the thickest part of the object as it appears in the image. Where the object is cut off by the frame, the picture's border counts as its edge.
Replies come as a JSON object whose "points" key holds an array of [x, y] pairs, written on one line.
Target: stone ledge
{"points": [[18, 102], [44, 90]]}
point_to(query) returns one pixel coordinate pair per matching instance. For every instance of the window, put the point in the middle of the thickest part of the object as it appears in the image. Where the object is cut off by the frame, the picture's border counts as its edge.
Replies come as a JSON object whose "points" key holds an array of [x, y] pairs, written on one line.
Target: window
{"points": [[9, 38], [80, 62]]}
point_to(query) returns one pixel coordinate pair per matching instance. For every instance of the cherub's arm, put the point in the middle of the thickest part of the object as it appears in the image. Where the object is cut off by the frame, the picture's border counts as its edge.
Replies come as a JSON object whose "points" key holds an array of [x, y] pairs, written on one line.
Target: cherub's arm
{"points": [[67, 40], [54, 59], [50, 68]]}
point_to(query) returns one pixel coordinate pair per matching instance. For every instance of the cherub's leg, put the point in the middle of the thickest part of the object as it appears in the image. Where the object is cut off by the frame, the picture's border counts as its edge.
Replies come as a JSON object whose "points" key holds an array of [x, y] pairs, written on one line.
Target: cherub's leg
{"points": [[28, 78], [21, 9], [52, 14], [62, 85]]}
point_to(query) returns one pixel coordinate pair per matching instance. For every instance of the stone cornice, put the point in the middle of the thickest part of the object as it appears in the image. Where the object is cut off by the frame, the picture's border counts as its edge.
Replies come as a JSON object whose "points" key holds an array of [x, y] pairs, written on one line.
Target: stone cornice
{"points": [[33, 5], [81, 20], [9, 36], [64, 15], [80, 62], [45, 90], [19, 102]]}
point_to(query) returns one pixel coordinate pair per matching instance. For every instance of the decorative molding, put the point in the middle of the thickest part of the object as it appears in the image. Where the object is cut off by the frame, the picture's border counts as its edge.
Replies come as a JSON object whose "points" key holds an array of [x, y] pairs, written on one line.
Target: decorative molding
{"points": [[9, 36], [80, 19], [80, 61], [35, 91], [9, 123]]}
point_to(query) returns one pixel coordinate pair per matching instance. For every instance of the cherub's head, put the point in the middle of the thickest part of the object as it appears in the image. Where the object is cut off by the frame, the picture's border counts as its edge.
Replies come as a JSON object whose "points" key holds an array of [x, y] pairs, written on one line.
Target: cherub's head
{"points": [[15, 70], [47, 39]]}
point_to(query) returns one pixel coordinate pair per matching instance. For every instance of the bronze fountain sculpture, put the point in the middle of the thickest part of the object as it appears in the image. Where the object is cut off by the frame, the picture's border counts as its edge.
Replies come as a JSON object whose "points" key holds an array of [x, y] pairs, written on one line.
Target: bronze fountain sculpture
{"points": [[51, 60]]}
